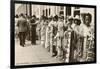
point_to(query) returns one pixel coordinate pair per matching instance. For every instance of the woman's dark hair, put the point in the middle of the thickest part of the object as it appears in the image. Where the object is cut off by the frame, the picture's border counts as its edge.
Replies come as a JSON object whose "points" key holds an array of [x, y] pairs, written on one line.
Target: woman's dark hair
{"points": [[34, 16], [50, 18], [46, 18], [16, 16], [42, 17], [89, 15], [78, 21], [55, 17]]}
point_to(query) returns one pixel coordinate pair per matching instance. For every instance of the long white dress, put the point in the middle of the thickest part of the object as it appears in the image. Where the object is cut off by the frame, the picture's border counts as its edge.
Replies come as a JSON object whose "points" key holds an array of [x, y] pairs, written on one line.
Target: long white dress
{"points": [[16, 28], [60, 35], [51, 37], [88, 33], [43, 33], [47, 41]]}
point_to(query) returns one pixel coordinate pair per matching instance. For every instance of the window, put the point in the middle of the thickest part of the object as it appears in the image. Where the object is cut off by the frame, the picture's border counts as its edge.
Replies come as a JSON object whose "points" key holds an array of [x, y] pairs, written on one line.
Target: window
{"points": [[62, 8], [68, 11], [76, 13], [61, 13], [49, 11]]}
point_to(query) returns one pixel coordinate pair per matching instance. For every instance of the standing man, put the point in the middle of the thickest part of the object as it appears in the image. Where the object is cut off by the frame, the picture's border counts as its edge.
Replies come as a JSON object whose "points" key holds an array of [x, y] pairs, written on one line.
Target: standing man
{"points": [[22, 27], [33, 30]]}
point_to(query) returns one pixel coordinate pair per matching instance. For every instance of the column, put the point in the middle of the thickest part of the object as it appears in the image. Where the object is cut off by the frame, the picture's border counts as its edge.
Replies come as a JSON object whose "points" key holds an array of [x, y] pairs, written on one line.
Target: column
{"points": [[30, 8], [64, 14], [72, 11]]}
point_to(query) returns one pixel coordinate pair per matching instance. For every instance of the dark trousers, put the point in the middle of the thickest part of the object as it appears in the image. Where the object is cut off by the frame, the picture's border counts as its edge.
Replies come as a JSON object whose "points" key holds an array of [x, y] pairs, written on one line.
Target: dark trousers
{"points": [[33, 36], [72, 47], [28, 37], [22, 36]]}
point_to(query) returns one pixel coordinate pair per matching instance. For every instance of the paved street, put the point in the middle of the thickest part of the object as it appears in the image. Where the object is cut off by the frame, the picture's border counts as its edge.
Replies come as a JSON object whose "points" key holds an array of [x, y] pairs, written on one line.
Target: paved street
{"points": [[32, 54]]}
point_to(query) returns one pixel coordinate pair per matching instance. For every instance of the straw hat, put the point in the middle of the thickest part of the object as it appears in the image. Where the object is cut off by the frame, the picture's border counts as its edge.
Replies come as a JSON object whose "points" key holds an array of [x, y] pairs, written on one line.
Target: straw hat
{"points": [[77, 17], [61, 17], [70, 17]]}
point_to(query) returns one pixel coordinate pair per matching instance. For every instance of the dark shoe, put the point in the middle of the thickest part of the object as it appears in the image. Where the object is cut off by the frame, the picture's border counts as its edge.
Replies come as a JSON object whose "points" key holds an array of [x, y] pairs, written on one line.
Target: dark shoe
{"points": [[22, 45], [33, 43], [53, 55]]}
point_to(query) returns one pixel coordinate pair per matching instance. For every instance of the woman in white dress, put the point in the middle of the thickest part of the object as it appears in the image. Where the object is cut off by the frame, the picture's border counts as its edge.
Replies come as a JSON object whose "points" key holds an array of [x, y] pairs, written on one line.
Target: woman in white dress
{"points": [[43, 33], [16, 28], [87, 31], [51, 36], [47, 40], [59, 36]]}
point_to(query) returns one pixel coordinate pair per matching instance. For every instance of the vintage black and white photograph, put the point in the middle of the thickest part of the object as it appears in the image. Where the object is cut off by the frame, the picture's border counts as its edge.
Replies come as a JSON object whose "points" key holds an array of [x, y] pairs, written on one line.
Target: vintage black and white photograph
{"points": [[50, 34]]}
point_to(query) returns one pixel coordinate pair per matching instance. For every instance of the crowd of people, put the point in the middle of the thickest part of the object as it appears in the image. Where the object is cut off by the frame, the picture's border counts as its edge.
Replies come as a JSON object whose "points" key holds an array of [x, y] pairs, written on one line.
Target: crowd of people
{"points": [[70, 39]]}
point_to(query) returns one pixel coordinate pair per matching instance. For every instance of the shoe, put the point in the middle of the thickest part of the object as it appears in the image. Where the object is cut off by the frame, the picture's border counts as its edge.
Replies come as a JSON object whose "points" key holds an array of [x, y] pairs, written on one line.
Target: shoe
{"points": [[23, 45], [33, 43]]}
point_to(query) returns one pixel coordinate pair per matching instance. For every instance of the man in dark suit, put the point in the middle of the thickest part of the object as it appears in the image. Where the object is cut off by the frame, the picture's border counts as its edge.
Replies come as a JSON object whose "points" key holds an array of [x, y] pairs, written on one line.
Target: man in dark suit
{"points": [[22, 27], [33, 30]]}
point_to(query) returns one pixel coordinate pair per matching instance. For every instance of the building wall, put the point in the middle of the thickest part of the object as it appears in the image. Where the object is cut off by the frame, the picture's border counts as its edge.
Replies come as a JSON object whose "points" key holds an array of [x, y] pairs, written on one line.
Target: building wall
{"points": [[50, 10], [20, 8], [38, 10]]}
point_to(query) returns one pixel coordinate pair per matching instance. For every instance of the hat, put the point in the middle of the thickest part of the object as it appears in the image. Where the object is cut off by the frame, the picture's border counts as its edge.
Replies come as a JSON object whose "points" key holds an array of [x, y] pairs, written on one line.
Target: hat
{"points": [[34, 16], [61, 17], [50, 17], [70, 17], [55, 17], [77, 17]]}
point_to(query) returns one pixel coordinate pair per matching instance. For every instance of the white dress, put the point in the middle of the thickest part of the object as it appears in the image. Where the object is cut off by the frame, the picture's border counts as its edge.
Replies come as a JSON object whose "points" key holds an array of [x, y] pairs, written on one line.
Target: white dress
{"points": [[88, 33], [60, 33], [16, 27], [43, 29], [47, 41]]}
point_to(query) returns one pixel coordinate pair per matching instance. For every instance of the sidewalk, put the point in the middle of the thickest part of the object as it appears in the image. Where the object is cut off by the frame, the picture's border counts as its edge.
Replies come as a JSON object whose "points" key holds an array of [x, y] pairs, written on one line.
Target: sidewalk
{"points": [[32, 54]]}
